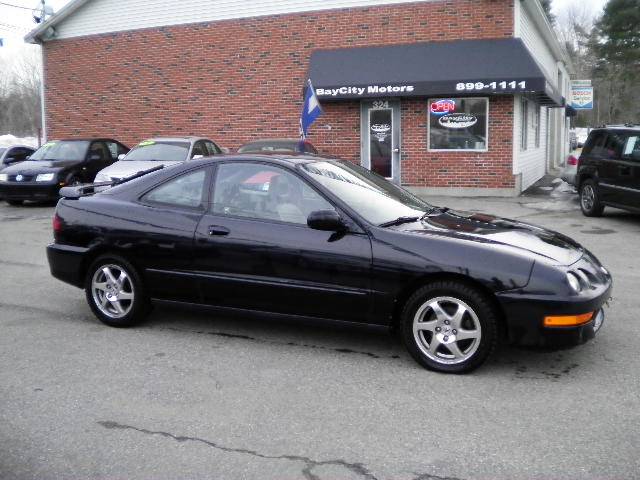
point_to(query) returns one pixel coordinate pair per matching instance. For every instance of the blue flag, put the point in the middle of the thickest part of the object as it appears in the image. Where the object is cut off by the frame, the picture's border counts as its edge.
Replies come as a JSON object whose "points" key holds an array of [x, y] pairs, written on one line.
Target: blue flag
{"points": [[311, 110]]}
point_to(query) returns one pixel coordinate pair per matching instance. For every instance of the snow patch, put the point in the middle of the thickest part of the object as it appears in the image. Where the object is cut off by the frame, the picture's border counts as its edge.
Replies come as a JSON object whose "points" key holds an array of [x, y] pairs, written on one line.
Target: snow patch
{"points": [[8, 140]]}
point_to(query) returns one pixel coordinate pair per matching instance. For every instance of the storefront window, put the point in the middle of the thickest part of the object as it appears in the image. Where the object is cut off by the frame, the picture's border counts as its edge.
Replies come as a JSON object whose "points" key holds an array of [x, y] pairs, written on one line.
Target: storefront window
{"points": [[458, 124]]}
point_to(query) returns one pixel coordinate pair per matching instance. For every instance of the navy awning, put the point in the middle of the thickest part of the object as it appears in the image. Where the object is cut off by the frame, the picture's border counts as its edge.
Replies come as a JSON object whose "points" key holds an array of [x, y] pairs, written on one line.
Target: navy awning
{"points": [[463, 67]]}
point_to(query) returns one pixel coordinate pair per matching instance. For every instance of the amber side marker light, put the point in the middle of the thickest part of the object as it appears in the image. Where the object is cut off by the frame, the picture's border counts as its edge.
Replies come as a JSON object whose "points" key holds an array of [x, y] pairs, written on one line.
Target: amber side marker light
{"points": [[568, 321]]}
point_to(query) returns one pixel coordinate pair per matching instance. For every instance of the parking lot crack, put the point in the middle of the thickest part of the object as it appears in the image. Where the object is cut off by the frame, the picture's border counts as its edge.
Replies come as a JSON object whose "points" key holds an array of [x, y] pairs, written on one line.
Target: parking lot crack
{"points": [[309, 464]]}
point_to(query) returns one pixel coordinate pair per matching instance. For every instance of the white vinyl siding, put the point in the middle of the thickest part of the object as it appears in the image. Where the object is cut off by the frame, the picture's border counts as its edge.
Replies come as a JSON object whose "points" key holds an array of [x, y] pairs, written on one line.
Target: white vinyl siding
{"points": [[104, 16], [527, 30], [530, 163]]}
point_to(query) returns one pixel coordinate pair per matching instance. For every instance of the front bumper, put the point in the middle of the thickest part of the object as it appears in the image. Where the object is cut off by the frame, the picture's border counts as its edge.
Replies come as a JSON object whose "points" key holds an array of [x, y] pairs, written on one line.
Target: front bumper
{"points": [[29, 191], [66, 263], [526, 309]]}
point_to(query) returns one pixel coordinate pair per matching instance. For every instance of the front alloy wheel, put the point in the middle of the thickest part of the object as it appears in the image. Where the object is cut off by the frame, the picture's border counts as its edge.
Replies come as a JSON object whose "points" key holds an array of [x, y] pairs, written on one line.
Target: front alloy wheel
{"points": [[447, 330], [115, 292], [449, 326]]}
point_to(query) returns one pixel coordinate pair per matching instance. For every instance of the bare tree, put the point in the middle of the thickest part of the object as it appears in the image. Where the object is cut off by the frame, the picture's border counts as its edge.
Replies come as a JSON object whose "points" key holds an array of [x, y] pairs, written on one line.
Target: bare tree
{"points": [[20, 112]]}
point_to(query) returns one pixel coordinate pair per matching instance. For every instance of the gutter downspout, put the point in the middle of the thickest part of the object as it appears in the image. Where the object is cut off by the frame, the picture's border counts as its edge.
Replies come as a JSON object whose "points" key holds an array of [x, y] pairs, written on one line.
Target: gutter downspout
{"points": [[43, 118]]}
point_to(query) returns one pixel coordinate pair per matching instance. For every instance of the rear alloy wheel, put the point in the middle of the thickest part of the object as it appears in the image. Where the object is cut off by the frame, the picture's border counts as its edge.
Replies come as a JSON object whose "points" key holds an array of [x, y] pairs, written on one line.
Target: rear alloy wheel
{"points": [[115, 292], [590, 199], [449, 327]]}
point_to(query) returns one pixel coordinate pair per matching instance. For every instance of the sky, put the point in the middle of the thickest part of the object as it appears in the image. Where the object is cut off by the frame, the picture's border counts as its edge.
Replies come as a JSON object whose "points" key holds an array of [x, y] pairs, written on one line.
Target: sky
{"points": [[16, 22]]}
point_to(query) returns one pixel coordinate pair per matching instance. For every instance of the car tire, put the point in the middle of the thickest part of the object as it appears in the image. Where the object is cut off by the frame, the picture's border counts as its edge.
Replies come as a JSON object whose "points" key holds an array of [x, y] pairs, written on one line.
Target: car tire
{"points": [[115, 292], [590, 199], [447, 311], [15, 203]]}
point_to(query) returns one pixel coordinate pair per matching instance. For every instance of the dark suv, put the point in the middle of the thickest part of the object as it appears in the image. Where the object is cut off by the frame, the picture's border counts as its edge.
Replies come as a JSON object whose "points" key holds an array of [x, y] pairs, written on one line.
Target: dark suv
{"points": [[609, 170]]}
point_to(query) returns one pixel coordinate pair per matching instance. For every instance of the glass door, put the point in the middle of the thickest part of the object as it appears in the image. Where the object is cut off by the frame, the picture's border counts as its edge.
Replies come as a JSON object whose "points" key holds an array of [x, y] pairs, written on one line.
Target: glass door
{"points": [[380, 137]]}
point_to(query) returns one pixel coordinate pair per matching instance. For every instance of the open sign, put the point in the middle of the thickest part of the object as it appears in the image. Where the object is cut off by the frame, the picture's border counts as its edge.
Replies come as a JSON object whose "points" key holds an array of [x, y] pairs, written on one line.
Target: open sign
{"points": [[442, 107]]}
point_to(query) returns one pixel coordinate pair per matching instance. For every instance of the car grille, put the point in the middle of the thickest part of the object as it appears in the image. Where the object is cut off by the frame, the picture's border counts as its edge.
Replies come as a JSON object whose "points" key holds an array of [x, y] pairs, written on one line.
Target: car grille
{"points": [[23, 178]]}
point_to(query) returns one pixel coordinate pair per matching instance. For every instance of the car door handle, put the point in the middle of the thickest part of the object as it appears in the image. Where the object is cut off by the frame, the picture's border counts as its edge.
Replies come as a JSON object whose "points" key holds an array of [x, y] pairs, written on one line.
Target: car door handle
{"points": [[218, 231]]}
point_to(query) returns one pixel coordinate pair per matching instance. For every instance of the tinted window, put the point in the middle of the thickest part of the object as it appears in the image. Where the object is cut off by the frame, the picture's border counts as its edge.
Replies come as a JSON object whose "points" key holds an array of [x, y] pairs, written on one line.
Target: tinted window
{"points": [[184, 191], [99, 151], [595, 144], [19, 153], [199, 149], [115, 149], [212, 148], [151, 150], [373, 197], [66, 150], [613, 145], [267, 146], [264, 192]]}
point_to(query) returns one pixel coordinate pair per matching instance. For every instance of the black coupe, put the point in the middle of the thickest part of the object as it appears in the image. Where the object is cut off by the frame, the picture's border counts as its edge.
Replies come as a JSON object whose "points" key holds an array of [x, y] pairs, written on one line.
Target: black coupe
{"points": [[55, 165], [313, 237]]}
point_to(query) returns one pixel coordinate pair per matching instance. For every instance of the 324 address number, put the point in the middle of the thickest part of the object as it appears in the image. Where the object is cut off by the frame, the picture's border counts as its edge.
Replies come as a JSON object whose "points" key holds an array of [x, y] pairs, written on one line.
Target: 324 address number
{"points": [[480, 86]]}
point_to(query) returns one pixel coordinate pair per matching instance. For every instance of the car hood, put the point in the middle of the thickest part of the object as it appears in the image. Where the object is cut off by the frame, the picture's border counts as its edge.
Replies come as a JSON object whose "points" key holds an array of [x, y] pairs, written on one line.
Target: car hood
{"points": [[490, 229], [32, 167], [126, 168]]}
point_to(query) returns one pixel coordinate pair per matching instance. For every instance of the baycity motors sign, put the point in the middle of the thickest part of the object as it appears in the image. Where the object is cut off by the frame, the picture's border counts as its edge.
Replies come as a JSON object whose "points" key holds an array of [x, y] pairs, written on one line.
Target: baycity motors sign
{"points": [[370, 90]]}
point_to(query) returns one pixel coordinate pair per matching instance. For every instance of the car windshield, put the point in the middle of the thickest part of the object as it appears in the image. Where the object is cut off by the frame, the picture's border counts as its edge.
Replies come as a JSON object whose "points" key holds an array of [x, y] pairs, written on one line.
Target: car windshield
{"points": [[154, 151], [375, 199], [2, 150], [64, 150], [283, 146]]}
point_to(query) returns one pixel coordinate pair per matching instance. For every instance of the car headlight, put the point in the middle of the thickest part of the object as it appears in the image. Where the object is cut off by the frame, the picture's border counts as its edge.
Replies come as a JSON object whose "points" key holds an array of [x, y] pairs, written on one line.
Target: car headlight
{"points": [[45, 177], [574, 282], [4, 177]]}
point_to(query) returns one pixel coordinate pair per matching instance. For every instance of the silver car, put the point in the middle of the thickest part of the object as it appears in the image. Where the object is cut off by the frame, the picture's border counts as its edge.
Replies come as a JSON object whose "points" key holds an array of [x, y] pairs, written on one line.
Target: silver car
{"points": [[571, 167], [153, 152]]}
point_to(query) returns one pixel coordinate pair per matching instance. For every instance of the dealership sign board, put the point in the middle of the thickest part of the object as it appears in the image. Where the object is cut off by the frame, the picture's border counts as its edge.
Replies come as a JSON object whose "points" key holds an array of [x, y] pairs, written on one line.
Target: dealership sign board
{"points": [[582, 95]]}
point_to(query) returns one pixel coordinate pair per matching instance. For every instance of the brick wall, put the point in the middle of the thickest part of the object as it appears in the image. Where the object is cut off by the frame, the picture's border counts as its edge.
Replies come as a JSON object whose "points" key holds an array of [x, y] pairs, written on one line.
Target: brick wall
{"points": [[241, 79]]}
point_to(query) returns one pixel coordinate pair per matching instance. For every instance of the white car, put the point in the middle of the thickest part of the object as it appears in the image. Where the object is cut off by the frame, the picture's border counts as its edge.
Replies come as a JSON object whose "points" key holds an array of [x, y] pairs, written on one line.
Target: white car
{"points": [[571, 167], [154, 152]]}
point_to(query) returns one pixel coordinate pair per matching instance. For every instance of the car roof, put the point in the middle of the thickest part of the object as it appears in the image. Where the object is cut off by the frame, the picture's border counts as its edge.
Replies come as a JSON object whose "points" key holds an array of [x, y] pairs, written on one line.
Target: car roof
{"points": [[176, 139], [84, 139], [628, 127], [291, 158]]}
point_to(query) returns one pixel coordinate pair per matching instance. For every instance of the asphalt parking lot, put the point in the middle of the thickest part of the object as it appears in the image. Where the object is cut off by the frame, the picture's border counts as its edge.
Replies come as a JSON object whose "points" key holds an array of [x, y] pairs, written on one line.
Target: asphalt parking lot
{"points": [[193, 395]]}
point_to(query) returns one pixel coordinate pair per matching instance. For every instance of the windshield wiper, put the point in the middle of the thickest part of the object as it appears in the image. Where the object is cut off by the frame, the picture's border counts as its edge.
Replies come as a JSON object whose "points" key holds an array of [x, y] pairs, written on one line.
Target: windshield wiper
{"points": [[399, 221], [137, 175], [437, 210]]}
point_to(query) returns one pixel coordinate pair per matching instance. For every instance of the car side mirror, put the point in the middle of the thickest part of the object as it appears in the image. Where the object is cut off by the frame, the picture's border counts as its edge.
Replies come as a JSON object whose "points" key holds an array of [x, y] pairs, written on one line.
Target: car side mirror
{"points": [[195, 157], [326, 220], [121, 156]]}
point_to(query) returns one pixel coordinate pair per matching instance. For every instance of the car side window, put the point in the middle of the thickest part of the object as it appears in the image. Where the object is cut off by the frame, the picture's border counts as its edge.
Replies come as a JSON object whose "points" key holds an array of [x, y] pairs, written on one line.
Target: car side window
{"points": [[199, 149], [632, 147], [184, 191], [18, 154], [99, 152], [613, 145], [264, 192], [213, 148], [595, 144], [115, 149]]}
